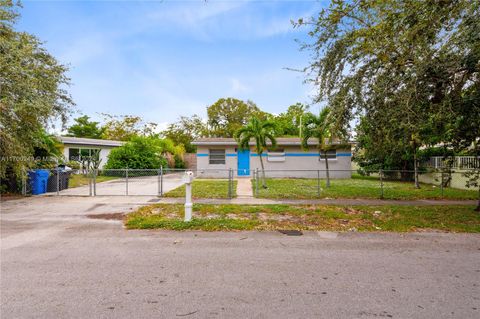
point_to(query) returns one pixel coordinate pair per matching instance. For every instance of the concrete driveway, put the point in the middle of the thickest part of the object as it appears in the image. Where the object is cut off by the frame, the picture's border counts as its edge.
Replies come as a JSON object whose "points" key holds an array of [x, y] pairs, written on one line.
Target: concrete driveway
{"points": [[60, 259], [144, 185]]}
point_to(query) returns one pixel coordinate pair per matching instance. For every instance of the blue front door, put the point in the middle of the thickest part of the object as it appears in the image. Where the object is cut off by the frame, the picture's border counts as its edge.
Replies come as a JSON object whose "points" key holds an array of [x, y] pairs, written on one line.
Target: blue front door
{"points": [[243, 158]]}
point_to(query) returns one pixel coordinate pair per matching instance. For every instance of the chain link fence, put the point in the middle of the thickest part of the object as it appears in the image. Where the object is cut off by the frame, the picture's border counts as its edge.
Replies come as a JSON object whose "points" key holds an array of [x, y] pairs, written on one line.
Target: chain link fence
{"points": [[209, 183], [273, 184], [366, 184]]}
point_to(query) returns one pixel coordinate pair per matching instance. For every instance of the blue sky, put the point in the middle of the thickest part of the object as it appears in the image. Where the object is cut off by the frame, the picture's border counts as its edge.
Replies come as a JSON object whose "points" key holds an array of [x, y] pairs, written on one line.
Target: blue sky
{"points": [[163, 59]]}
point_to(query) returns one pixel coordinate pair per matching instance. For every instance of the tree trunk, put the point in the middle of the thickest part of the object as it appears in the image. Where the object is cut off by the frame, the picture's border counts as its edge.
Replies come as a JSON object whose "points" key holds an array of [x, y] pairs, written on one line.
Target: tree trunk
{"points": [[327, 170], [264, 182], [415, 167]]}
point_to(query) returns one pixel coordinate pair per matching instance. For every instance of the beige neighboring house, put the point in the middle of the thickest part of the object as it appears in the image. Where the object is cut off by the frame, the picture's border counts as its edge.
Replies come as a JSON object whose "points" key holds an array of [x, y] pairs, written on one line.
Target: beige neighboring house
{"points": [[76, 147], [289, 159]]}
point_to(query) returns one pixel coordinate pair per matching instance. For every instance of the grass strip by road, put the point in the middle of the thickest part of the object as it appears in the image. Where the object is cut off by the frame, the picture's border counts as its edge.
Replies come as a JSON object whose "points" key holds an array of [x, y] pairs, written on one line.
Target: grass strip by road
{"points": [[77, 180], [307, 217], [205, 188], [357, 187]]}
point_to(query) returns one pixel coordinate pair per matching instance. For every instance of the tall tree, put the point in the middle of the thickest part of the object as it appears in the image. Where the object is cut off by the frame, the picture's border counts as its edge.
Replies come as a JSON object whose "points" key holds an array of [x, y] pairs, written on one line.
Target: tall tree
{"points": [[319, 127], [227, 115], [289, 123], [32, 92], [410, 69], [124, 127], [261, 132], [185, 130], [83, 127]]}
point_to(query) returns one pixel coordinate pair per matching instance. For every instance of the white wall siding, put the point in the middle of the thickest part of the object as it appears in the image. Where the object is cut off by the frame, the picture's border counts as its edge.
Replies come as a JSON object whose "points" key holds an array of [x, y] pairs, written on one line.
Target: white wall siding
{"points": [[298, 163], [204, 169]]}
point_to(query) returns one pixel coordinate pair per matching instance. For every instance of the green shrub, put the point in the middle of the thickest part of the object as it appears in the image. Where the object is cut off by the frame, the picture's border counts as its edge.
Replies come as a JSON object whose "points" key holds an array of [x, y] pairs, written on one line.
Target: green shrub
{"points": [[73, 164], [138, 153], [179, 162]]}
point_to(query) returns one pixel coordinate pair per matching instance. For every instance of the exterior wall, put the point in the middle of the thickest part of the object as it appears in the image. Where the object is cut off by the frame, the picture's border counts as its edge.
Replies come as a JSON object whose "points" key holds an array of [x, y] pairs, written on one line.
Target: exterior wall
{"points": [[104, 151], [296, 159], [190, 160], [204, 169], [458, 181]]}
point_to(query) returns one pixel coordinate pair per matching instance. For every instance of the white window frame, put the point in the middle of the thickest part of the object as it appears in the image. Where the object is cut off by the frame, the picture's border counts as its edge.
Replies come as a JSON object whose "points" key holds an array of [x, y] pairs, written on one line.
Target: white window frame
{"points": [[330, 155], [277, 155], [80, 156], [217, 157]]}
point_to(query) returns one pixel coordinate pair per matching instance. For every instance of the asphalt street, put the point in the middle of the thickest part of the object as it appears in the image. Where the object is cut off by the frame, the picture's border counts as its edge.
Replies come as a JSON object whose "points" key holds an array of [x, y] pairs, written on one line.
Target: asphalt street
{"points": [[60, 258]]}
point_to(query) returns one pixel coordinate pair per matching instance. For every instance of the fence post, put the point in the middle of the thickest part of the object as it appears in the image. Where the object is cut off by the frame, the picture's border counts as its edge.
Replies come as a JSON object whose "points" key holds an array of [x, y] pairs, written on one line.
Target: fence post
{"points": [[57, 177], [229, 183], [256, 182], [24, 182], [90, 182], [159, 181], [381, 183], [318, 183], [95, 182], [441, 182], [126, 181], [228, 190]]}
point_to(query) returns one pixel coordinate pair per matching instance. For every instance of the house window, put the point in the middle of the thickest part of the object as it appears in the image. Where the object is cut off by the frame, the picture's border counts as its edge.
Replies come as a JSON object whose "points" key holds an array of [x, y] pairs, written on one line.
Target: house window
{"points": [[84, 152], [331, 154], [277, 155], [73, 154], [216, 156], [76, 154]]}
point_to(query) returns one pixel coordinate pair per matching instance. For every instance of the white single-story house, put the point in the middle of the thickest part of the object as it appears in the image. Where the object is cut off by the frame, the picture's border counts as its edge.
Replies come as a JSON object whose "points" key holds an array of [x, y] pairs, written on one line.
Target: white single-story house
{"points": [[76, 147], [288, 159]]}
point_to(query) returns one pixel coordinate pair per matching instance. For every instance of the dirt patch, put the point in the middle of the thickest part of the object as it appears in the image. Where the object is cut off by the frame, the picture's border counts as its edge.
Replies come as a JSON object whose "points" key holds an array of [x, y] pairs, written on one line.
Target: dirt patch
{"points": [[211, 216], [277, 217], [352, 211], [7, 197], [107, 216], [240, 216]]}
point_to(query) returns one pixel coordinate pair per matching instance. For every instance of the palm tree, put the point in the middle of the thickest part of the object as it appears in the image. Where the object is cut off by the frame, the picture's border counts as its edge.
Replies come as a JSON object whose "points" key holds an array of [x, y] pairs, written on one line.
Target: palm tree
{"points": [[260, 131], [319, 127]]}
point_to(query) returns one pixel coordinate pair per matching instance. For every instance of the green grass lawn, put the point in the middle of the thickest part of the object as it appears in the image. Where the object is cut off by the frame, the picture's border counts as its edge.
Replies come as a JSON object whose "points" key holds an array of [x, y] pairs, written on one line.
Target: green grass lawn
{"points": [[77, 180], [357, 187], [307, 217], [205, 188]]}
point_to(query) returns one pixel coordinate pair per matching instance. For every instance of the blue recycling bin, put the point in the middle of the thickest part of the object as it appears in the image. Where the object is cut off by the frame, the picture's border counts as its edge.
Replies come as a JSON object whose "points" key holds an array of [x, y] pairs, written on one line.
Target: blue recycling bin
{"points": [[38, 180]]}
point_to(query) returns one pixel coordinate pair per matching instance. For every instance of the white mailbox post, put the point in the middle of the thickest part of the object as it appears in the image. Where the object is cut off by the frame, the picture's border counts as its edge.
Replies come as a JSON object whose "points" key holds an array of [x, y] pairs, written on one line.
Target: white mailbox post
{"points": [[188, 179]]}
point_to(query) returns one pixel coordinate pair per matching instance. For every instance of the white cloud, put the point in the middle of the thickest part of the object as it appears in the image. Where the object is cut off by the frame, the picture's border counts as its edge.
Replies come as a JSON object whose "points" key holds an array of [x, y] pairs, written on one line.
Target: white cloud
{"points": [[198, 19], [85, 48], [237, 86]]}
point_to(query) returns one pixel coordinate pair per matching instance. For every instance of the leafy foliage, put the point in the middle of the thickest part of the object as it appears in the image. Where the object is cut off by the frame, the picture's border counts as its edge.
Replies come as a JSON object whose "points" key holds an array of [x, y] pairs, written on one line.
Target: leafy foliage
{"points": [[227, 115], [141, 153], [32, 92], [125, 127], [289, 123], [48, 151], [409, 70], [261, 132], [185, 130], [83, 127], [319, 127]]}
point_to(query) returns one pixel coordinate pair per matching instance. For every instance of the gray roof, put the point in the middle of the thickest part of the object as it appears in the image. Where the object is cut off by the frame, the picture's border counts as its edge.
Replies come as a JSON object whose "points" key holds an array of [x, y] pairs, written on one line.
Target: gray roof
{"points": [[232, 141], [89, 141]]}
